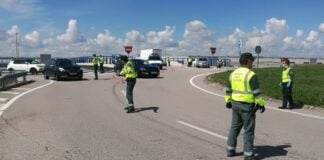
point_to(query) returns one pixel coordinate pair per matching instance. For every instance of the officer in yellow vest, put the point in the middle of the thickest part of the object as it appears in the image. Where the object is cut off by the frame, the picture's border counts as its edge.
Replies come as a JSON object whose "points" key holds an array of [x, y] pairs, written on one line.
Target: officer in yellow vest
{"points": [[286, 84], [101, 63], [130, 74], [243, 97], [95, 62]]}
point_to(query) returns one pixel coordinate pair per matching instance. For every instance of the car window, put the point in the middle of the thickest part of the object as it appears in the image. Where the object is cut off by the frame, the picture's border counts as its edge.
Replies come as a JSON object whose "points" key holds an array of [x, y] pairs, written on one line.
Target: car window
{"points": [[34, 62], [202, 59], [19, 61]]}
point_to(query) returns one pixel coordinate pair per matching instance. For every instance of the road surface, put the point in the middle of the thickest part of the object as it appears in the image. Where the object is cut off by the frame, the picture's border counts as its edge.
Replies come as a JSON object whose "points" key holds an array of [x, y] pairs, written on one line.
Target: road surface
{"points": [[179, 117]]}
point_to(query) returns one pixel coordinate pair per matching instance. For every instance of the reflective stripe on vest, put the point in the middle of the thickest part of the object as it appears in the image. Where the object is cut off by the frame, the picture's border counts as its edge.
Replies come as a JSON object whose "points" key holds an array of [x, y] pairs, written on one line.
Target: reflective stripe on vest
{"points": [[285, 76], [241, 89]]}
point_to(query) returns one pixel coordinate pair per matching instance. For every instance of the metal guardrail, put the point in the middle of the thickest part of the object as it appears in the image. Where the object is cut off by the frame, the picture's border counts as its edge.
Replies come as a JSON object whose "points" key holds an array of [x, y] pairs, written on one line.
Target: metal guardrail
{"points": [[9, 79]]}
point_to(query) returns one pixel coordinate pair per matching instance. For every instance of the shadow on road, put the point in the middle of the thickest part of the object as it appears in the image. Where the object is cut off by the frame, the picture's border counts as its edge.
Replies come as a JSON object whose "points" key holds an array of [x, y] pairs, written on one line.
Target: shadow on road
{"points": [[155, 109], [271, 151]]}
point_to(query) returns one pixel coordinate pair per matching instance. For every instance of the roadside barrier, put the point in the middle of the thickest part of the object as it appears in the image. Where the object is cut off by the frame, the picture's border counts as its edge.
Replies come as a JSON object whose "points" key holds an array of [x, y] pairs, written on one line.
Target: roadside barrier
{"points": [[9, 79]]}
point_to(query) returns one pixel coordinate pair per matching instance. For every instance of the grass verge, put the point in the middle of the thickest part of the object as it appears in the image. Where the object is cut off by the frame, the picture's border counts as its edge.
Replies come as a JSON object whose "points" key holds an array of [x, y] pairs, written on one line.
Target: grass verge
{"points": [[308, 85]]}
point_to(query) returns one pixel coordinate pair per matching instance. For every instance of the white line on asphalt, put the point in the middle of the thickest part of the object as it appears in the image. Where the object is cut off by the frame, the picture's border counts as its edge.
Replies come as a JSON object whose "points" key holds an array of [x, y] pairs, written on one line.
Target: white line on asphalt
{"points": [[3, 99], [9, 92], [7, 105], [123, 92], [203, 130], [273, 108], [20, 88], [193, 84]]}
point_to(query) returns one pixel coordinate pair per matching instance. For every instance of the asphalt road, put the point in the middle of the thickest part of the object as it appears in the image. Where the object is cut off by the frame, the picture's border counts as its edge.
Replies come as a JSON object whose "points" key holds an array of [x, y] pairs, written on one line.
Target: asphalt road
{"points": [[178, 117]]}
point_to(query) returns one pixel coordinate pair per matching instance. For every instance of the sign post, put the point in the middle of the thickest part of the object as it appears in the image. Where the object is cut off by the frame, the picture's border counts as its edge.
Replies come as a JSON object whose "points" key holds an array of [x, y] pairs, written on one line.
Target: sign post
{"points": [[258, 51], [128, 49]]}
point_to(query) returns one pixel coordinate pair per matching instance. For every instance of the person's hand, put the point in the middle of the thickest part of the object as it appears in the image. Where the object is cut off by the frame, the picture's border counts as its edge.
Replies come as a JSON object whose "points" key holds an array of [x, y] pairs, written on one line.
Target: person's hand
{"points": [[280, 84], [229, 105], [262, 109], [289, 84]]}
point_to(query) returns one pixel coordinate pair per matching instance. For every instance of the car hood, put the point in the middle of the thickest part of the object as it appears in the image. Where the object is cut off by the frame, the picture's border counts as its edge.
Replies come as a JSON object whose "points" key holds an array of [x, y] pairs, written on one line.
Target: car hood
{"points": [[74, 67]]}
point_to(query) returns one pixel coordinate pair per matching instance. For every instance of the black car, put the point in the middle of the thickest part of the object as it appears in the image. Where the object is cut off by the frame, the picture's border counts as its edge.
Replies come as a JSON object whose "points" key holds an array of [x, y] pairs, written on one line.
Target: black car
{"points": [[142, 68], [62, 68]]}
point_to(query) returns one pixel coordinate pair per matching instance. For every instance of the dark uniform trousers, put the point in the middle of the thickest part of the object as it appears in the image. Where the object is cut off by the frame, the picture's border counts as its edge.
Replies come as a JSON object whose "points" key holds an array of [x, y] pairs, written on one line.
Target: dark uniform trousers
{"points": [[286, 95], [102, 68], [130, 84], [243, 115], [95, 68]]}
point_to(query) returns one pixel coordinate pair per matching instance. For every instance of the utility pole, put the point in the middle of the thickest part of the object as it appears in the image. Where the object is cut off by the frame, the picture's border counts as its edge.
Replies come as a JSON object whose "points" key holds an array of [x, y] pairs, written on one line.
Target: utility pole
{"points": [[17, 46]]}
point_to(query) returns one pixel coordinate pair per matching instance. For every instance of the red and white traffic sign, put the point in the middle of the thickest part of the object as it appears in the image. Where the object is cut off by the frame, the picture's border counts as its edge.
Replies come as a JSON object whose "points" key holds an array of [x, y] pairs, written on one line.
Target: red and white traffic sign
{"points": [[128, 49], [213, 50]]}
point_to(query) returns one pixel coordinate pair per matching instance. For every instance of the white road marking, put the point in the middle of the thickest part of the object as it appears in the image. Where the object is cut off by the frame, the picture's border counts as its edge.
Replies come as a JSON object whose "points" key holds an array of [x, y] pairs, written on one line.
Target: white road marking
{"points": [[20, 88], [3, 99], [9, 92], [123, 92], [203, 130], [7, 105], [268, 107], [204, 90]]}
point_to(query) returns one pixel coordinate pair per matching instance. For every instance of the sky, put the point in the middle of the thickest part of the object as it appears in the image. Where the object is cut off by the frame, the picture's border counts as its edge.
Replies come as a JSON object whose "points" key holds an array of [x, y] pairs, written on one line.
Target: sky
{"points": [[283, 28]]}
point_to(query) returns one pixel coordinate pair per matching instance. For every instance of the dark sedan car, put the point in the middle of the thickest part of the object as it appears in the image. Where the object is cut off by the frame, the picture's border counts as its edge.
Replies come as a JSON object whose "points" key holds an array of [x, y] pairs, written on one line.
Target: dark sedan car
{"points": [[62, 68], [142, 67]]}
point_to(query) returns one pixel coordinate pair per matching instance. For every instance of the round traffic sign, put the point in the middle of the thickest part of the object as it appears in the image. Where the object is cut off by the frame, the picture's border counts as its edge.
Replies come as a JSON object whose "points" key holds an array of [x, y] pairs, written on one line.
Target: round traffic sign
{"points": [[258, 49]]}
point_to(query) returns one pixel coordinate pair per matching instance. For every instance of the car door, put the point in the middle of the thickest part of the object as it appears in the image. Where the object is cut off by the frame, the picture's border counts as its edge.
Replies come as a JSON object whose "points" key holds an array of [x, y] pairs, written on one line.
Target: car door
{"points": [[20, 65], [51, 68]]}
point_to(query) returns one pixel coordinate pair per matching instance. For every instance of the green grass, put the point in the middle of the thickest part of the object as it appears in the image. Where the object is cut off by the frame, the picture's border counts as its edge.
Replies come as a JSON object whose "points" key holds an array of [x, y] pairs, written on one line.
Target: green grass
{"points": [[308, 83]]}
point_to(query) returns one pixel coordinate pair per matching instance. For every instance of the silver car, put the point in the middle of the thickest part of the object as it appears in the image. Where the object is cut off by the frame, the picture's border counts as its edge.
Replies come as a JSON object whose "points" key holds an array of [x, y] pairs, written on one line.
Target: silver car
{"points": [[201, 62]]}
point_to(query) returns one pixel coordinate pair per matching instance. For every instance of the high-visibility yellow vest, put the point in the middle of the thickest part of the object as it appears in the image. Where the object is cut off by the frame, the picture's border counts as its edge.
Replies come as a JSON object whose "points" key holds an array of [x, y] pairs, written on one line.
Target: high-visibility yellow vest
{"points": [[129, 70], [101, 60], [95, 61], [285, 75], [241, 89]]}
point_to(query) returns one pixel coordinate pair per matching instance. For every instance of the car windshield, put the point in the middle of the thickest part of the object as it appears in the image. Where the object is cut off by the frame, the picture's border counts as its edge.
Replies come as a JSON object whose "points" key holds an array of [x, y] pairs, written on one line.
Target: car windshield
{"points": [[140, 62], [154, 56], [202, 59], [65, 63]]}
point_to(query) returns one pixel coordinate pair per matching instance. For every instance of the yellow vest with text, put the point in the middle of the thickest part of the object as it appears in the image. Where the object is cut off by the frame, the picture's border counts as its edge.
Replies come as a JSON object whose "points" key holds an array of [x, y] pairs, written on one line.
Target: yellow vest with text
{"points": [[285, 75], [129, 70], [241, 89]]}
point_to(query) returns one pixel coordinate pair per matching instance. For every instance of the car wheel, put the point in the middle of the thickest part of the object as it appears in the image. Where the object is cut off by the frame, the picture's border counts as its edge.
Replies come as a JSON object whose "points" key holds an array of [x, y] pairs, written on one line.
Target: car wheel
{"points": [[46, 76], [11, 69], [80, 77], [33, 71]]}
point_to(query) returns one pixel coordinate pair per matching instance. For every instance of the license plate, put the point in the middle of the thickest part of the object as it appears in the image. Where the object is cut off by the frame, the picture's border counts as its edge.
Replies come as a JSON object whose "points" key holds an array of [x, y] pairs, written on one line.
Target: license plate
{"points": [[73, 74], [153, 72]]}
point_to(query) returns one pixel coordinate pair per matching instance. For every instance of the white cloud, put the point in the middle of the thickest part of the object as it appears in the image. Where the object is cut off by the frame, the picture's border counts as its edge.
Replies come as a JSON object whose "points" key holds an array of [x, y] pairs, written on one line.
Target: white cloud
{"points": [[299, 33], [197, 38], [33, 39], [313, 36], [14, 29], [106, 39], [72, 34], [134, 37], [161, 39], [25, 8], [321, 27]]}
